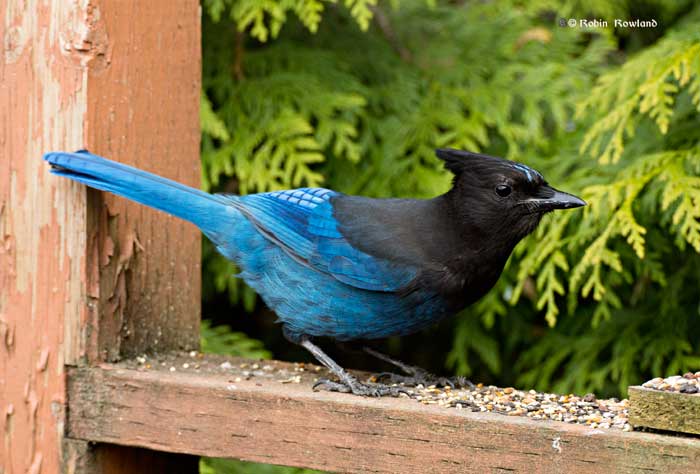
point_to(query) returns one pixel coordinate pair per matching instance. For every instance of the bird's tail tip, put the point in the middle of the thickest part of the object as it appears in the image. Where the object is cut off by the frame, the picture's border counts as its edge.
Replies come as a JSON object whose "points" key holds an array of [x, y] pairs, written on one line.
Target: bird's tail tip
{"points": [[56, 156], [59, 160]]}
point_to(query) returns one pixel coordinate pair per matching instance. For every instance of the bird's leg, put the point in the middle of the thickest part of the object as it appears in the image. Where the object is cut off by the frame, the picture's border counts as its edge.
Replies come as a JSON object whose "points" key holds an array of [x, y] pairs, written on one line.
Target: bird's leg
{"points": [[416, 375], [347, 383]]}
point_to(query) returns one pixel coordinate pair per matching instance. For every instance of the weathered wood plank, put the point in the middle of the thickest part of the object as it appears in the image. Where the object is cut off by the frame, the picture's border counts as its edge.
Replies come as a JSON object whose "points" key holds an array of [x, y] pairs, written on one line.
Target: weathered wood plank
{"points": [[120, 78], [671, 411], [215, 413], [143, 110], [42, 230]]}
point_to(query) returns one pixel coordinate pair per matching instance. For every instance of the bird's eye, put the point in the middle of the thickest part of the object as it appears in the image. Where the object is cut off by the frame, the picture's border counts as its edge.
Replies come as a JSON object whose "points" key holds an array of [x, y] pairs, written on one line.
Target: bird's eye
{"points": [[503, 190]]}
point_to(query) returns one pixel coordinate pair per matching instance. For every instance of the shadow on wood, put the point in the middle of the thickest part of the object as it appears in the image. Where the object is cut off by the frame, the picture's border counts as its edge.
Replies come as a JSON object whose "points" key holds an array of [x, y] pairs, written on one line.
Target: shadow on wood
{"points": [[88, 458]]}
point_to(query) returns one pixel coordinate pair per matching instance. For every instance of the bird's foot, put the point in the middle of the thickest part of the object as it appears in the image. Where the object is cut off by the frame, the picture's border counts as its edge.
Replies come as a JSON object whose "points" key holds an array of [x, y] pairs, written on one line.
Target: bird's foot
{"points": [[356, 387], [415, 375], [425, 378]]}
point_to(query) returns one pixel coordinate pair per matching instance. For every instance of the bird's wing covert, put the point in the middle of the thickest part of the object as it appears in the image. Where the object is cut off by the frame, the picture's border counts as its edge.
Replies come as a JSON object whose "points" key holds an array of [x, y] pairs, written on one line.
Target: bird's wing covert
{"points": [[303, 223]]}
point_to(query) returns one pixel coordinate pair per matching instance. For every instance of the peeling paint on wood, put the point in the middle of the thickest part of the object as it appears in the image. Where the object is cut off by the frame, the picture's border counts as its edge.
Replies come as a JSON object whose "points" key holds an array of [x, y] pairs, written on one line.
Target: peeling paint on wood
{"points": [[205, 412], [123, 80], [42, 223]]}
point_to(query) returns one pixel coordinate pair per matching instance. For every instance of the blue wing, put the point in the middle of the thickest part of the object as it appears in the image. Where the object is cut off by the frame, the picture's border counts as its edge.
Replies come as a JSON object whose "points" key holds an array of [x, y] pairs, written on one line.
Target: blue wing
{"points": [[302, 222]]}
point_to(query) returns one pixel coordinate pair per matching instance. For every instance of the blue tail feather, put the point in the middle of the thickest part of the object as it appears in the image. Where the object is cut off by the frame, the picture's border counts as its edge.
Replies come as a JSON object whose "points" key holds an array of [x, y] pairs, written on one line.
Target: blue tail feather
{"points": [[203, 209]]}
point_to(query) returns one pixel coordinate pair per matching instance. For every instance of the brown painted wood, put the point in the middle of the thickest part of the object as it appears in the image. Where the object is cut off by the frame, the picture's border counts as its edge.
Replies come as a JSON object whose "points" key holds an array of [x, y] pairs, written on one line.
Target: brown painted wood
{"points": [[144, 265], [214, 412], [82, 278], [661, 410], [42, 231]]}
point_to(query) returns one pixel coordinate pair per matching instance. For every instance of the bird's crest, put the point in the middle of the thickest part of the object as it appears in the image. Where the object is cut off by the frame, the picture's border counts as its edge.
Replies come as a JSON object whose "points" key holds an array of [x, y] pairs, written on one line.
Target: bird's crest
{"points": [[458, 161], [532, 175]]}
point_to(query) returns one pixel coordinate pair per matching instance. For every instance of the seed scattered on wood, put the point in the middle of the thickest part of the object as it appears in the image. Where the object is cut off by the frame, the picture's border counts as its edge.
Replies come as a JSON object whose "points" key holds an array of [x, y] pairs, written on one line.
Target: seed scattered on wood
{"points": [[292, 379], [587, 410]]}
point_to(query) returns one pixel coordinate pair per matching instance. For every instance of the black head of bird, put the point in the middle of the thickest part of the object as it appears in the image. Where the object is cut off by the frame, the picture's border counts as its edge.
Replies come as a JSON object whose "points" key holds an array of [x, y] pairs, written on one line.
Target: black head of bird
{"points": [[500, 199]]}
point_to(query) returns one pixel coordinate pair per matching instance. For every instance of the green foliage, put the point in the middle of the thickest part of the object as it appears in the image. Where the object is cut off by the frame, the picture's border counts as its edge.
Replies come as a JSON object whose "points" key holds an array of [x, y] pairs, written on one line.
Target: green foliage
{"points": [[644, 211], [646, 86], [264, 18], [621, 349], [601, 297], [221, 340]]}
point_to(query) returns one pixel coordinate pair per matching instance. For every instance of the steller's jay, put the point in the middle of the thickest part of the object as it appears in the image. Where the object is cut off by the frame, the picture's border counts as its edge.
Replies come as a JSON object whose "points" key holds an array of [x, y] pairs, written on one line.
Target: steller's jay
{"points": [[351, 267]]}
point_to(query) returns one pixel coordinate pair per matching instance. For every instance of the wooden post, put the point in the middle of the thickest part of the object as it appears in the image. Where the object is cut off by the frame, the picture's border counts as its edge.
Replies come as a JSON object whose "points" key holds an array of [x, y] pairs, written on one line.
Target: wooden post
{"points": [[86, 277]]}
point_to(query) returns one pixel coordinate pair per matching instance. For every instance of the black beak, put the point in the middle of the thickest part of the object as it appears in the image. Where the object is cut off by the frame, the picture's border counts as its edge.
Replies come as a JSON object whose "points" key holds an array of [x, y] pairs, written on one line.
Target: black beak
{"points": [[552, 199]]}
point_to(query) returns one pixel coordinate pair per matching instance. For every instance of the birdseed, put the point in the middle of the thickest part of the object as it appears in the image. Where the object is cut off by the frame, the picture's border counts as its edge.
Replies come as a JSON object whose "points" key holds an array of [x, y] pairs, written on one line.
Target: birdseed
{"points": [[587, 410]]}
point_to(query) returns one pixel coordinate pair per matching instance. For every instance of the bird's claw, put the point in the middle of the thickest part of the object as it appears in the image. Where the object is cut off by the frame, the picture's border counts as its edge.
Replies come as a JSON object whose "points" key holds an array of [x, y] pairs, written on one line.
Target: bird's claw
{"points": [[460, 381], [359, 388]]}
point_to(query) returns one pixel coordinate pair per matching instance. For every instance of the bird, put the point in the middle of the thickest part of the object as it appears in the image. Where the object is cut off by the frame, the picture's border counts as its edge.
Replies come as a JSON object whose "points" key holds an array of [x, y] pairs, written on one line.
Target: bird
{"points": [[351, 267]]}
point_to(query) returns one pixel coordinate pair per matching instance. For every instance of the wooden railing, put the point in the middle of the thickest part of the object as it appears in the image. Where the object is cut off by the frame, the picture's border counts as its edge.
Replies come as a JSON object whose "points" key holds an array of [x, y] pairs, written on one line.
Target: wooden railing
{"points": [[198, 407]]}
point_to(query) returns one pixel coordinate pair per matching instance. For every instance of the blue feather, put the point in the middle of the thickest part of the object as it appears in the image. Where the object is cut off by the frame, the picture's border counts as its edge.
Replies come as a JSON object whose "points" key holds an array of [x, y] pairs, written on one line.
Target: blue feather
{"points": [[303, 222]]}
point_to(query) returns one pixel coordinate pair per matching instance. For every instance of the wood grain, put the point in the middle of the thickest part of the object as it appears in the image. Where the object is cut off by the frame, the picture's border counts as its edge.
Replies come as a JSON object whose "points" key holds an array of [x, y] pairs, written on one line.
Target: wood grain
{"points": [[144, 265], [213, 413], [671, 411], [42, 230], [120, 78]]}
